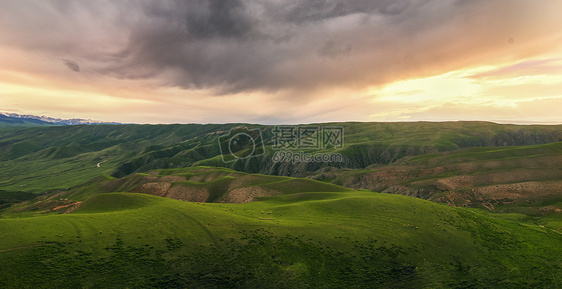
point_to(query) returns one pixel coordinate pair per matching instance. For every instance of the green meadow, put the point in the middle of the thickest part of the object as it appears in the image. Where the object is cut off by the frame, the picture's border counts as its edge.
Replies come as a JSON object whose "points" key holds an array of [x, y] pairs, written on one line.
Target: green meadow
{"points": [[66, 222], [310, 240]]}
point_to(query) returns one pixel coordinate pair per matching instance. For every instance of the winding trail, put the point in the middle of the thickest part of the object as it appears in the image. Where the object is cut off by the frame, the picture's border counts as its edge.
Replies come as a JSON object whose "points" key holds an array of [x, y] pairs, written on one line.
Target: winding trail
{"points": [[98, 164]]}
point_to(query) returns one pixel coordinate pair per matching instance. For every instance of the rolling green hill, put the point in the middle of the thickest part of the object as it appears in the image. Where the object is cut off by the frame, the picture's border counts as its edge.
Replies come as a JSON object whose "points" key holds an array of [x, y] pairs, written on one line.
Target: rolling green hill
{"points": [[42, 159], [305, 240], [195, 184], [207, 184], [526, 179], [154, 206]]}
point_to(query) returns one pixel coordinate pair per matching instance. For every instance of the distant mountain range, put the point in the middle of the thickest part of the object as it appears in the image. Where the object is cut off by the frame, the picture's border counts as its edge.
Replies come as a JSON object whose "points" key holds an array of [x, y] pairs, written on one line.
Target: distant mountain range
{"points": [[14, 119]]}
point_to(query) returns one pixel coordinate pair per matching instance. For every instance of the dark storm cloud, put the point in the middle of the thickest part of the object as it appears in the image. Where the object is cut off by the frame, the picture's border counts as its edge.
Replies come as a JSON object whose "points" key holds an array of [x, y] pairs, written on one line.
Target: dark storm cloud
{"points": [[202, 19], [200, 41], [72, 65], [232, 46], [332, 49], [318, 10], [222, 19]]}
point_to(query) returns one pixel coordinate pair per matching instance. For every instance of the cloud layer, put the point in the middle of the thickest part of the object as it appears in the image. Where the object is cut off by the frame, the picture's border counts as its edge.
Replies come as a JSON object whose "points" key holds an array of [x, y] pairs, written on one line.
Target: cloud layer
{"points": [[300, 51]]}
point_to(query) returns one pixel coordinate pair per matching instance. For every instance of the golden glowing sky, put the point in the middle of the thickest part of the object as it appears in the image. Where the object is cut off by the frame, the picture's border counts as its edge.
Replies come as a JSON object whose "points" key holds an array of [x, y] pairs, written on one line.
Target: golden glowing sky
{"points": [[282, 61]]}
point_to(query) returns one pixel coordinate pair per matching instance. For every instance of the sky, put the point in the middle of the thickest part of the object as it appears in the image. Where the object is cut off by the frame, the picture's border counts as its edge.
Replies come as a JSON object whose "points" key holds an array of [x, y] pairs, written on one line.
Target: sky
{"points": [[283, 61]]}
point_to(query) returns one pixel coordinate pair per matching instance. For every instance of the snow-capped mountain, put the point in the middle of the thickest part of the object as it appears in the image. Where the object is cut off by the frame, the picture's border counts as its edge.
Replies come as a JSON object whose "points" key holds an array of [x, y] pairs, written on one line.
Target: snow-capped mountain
{"points": [[56, 121]]}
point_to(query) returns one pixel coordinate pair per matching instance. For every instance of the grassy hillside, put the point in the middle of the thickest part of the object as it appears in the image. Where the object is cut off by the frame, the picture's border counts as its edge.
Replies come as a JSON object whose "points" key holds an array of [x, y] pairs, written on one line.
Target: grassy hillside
{"points": [[304, 240], [61, 157], [43, 159], [487, 176], [109, 209], [195, 184], [217, 184], [526, 180]]}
